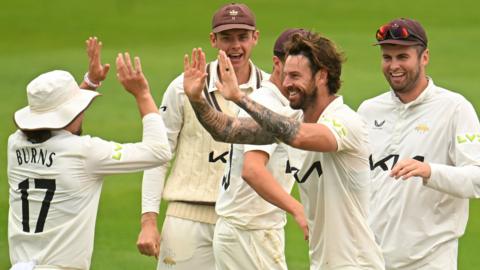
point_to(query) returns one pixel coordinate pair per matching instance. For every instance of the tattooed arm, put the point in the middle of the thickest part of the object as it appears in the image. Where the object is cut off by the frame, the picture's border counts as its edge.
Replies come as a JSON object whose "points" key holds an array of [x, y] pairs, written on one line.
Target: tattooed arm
{"points": [[221, 126], [307, 136]]}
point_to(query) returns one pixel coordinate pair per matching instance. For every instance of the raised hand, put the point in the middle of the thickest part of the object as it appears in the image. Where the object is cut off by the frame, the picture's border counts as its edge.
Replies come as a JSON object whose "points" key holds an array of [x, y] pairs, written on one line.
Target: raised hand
{"points": [[131, 77], [194, 74], [96, 71], [134, 81], [228, 86]]}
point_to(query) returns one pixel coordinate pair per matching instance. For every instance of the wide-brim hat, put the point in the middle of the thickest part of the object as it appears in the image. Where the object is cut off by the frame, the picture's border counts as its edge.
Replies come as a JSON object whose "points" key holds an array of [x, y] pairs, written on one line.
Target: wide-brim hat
{"points": [[54, 101]]}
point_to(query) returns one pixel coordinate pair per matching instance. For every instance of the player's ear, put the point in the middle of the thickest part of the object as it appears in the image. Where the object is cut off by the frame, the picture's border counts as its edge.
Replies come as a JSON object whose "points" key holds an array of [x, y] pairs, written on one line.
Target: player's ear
{"points": [[213, 40], [321, 77], [255, 36]]}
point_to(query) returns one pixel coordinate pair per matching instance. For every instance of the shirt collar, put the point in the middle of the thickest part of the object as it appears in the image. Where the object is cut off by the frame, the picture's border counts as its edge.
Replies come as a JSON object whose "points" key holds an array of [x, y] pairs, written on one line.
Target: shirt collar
{"points": [[251, 84], [426, 93], [335, 104]]}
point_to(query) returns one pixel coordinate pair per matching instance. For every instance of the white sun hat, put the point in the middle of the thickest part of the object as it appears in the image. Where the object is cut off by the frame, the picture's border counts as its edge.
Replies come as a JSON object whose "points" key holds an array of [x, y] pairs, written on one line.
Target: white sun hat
{"points": [[54, 100]]}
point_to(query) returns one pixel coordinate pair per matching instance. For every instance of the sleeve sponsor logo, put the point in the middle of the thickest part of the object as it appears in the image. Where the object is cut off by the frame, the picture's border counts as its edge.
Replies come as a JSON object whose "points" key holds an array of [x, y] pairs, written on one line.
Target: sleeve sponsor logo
{"points": [[117, 151], [468, 138], [337, 126]]}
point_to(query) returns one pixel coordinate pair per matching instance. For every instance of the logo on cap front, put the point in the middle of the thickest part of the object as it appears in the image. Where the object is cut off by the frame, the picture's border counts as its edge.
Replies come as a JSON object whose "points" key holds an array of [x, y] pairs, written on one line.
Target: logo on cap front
{"points": [[233, 12]]}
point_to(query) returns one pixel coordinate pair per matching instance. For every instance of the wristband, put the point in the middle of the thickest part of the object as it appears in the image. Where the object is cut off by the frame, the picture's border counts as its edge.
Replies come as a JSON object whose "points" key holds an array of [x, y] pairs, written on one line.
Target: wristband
{"points": [[90, 83]]}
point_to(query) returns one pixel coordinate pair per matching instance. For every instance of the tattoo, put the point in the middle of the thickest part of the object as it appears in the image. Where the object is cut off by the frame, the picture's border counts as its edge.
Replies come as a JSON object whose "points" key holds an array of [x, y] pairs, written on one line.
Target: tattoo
{"points": [[284, 128], [229, 129]]}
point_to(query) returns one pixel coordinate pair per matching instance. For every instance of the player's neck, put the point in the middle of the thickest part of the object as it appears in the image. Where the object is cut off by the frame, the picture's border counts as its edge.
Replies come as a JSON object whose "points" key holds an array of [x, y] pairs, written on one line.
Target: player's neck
{"points": [[243, 73], [414, 93], [312, 112]]}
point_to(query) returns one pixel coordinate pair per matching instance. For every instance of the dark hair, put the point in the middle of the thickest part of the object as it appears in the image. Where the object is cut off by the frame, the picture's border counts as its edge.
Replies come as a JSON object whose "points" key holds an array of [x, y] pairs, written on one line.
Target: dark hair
{"points": [[420, 49], [321, 53], [280, 55], [38, 136]]}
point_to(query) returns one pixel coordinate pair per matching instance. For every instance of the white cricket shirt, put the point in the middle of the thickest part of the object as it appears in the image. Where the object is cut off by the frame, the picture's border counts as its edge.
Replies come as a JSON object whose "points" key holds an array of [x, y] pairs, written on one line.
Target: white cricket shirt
{"points": [[412, 222], [335, 191], [55, 188], [238, 203]]}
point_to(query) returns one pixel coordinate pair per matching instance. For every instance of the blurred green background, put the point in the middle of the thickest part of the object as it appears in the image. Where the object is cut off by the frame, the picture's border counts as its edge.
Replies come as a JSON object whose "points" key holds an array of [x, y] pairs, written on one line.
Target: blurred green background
{"points": [[38, 36]]}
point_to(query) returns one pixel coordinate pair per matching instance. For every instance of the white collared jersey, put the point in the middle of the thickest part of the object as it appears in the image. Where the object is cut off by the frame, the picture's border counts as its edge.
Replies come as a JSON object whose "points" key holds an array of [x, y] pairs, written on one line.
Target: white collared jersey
{"points": [[238, 203], [55, 188], [412, 222], [335, 191], [204, 157]]}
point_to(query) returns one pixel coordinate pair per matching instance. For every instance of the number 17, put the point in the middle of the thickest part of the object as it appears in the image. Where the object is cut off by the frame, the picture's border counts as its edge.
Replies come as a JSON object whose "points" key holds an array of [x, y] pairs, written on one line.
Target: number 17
{"points": [[49, 185]]}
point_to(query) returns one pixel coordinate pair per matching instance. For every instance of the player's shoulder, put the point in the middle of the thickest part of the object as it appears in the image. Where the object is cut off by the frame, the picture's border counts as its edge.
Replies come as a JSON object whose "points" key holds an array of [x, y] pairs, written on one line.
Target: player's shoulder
{"points": [[448, 97], [269, 96], [176, 85], [341, 116], [383, 99]]}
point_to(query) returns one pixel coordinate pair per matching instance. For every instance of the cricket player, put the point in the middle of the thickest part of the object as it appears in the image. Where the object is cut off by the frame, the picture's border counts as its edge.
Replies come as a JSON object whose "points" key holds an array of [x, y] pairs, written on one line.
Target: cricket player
{"points": [[255, 226], [194, 180], [333, 174], [55, 174], [428, 136]]}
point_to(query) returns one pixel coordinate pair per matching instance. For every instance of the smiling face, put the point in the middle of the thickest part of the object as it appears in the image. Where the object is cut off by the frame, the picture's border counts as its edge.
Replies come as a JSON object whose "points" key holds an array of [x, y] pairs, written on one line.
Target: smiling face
{"points": [[299, 81], [404, 68], [237, 44]]}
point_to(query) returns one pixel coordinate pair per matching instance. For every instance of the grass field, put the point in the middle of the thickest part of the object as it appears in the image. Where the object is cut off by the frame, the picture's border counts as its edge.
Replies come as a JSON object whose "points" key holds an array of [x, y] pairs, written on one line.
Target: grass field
{"points": [[38, 36]]}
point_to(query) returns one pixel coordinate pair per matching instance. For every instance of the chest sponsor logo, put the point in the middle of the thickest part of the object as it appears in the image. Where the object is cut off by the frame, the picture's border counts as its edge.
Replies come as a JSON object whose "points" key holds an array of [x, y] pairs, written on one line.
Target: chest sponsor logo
{"points": [[383, 163], [222, 157], [315, 167]]}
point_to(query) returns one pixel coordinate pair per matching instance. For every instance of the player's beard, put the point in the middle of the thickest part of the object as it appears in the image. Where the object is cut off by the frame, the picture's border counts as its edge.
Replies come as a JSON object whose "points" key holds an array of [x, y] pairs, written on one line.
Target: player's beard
{"points": [[410, 80], [302, 99]]}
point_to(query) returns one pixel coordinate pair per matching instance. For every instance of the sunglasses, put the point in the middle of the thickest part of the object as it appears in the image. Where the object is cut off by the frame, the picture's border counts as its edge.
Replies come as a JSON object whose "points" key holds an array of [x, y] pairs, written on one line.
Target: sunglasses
{"points": [[395, 31]]}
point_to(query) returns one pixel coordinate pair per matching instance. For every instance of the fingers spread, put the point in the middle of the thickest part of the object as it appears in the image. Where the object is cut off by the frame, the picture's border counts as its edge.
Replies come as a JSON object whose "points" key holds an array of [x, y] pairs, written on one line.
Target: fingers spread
{"points": [[138, 64]]}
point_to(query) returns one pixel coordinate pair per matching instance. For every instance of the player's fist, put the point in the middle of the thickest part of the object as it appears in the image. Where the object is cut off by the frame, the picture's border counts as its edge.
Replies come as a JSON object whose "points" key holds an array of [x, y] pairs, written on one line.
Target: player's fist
{"points": [[148, 242]]}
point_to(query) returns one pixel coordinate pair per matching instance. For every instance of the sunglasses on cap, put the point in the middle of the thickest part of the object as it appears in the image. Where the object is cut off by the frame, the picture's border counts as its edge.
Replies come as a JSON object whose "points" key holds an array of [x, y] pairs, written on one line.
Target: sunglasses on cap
{"points": [[395, 31]]}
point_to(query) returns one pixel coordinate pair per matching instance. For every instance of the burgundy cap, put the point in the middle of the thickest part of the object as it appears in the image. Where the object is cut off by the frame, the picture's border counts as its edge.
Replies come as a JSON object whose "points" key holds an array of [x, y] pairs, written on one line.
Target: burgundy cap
{"points": [[279, 47], [418, 35], [233, 16]]}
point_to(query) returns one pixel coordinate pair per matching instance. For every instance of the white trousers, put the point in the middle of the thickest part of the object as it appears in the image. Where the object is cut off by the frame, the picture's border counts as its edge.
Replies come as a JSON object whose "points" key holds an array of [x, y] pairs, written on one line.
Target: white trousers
{"points": [[186, 245], [237, 249]]}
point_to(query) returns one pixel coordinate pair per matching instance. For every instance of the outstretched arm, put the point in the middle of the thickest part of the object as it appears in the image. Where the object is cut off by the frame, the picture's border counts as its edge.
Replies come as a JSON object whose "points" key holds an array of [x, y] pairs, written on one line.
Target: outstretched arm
{"points": [[307, 136], [221, 126]]}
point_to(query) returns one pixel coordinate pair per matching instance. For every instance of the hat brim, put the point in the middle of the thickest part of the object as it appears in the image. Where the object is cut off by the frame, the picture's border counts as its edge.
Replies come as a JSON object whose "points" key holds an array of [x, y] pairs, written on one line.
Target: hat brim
{"points": [[225, 27], [57, 118], [399, 42]]}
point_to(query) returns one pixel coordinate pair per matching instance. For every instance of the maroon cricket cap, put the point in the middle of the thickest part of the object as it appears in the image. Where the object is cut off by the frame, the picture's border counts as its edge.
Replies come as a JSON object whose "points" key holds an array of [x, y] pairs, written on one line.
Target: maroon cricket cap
{"points": [[417, 35], [279, 47], [233, 16]]}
